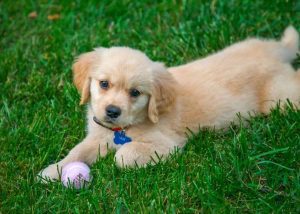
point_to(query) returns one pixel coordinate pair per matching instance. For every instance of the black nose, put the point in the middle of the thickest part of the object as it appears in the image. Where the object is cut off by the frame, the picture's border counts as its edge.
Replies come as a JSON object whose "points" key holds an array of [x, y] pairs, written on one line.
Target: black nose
{"points": [[113, 111]]}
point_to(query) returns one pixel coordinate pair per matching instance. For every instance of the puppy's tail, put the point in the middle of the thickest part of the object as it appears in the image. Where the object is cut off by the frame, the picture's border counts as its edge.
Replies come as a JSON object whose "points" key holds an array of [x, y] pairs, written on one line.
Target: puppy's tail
{"points": [[290, 41]]}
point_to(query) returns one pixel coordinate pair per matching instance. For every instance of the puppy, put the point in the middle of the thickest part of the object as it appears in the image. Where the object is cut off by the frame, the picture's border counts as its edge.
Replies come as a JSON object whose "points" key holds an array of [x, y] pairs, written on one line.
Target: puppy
{"points": [[142, 109]]}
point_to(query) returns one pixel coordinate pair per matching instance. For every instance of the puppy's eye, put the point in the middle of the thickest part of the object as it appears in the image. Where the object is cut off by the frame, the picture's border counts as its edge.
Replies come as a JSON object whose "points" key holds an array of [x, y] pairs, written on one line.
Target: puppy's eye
{"points": [[104, 84], [134, 92]]}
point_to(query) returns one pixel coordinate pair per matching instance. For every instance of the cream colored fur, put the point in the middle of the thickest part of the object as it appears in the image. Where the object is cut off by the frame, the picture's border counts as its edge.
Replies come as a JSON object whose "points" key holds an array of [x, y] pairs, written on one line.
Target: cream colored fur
{"points": [[250, 76]]}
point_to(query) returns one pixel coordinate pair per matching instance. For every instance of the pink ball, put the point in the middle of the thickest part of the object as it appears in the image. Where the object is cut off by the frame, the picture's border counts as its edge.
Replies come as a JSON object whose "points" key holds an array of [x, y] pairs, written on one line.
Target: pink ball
{"points": [[75, 174]]}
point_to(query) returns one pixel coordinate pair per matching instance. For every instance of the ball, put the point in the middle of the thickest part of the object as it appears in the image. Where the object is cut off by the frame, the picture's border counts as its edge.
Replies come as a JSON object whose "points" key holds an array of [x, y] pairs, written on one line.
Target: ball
{"points": [[76, 174]]}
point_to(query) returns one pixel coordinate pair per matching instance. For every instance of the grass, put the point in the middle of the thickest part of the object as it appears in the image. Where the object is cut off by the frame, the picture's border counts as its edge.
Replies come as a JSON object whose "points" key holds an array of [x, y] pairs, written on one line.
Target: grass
{"points": [[253, 168]]}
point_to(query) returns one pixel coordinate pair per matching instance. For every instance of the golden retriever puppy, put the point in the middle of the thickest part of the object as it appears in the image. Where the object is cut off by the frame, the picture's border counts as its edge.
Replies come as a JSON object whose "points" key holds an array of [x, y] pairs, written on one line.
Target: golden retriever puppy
{"points": [[141, 109]]}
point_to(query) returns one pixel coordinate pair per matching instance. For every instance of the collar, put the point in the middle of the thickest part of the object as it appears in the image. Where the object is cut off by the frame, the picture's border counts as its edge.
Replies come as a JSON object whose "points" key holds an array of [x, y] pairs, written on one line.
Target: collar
{"points": [[101, 124], [120, 137]]}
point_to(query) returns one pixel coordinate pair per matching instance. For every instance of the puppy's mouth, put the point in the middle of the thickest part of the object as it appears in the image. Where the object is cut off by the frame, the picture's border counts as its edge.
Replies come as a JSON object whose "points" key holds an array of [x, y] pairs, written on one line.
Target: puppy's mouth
{"points": [[107, 122]]}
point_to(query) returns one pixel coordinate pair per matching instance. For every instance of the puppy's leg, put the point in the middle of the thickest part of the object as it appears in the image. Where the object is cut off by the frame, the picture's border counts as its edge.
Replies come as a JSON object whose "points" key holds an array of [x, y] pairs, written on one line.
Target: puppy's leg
{"points": [[141, 153], [281, 88], [87, 151]]}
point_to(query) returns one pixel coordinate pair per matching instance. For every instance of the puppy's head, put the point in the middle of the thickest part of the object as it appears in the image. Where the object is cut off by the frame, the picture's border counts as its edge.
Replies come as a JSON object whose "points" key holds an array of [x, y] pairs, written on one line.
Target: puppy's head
{"points": [[123, 85]]}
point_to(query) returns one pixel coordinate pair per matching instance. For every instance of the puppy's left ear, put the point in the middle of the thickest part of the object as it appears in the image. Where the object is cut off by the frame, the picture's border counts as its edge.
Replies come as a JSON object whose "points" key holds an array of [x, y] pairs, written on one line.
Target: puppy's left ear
{"points": [[163, 92], [81, 71]]}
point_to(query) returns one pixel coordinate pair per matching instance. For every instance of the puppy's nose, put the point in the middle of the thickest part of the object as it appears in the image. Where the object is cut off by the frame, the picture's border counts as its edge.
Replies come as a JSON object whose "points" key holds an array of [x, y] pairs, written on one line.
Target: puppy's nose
{"points": [[113, 111]]}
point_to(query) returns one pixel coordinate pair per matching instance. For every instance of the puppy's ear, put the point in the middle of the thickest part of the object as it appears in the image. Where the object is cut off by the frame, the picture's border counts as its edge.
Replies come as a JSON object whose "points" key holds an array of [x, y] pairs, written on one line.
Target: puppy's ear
{"points": [[163, 92], [81, 72]]}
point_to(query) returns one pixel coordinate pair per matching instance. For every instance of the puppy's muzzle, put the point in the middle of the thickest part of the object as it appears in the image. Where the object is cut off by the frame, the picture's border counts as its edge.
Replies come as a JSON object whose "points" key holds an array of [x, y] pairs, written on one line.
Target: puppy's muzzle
{"points": [[113, 112]]}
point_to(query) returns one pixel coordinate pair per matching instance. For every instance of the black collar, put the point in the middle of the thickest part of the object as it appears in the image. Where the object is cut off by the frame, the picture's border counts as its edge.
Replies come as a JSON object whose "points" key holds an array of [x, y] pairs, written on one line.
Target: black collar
{"points": [[101, 124], [120, 137]]}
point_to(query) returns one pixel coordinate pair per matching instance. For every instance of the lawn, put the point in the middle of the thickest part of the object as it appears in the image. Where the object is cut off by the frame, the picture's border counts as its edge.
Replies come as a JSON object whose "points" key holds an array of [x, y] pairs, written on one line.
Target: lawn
{"points": [[253, 167]]}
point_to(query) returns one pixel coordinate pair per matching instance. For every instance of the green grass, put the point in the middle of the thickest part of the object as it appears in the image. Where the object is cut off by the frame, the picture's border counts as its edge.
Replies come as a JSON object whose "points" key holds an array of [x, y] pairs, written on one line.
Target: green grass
{"points": [[253, 168]]}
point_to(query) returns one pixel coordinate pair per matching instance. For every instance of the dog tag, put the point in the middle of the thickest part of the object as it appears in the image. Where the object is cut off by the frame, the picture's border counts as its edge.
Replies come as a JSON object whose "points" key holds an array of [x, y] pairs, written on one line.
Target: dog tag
{"points": [[121, 138]]}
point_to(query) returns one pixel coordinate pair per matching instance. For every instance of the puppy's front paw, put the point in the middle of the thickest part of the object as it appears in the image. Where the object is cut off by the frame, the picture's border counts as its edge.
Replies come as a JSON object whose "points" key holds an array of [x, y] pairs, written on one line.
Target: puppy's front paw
{"points": [[134, 153], [50, 173]]}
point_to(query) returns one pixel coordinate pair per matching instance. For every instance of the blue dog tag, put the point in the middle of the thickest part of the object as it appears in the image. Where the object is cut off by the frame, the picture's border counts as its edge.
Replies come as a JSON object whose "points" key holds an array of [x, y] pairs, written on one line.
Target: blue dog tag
{"points": [[121, 138]]}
